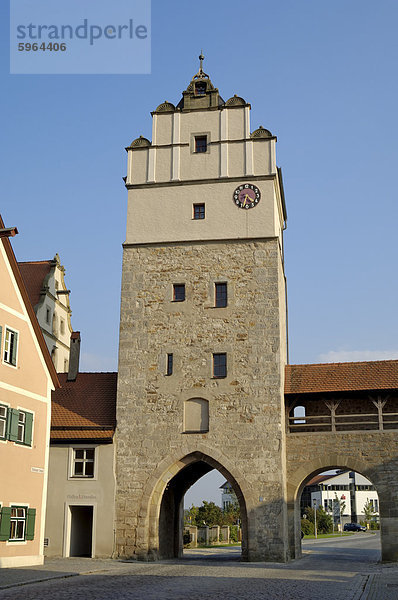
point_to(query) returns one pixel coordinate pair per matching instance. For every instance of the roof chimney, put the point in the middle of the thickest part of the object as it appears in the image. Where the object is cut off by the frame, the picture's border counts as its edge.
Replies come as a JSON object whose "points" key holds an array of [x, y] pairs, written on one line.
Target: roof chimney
{"points": [[74, 355]]}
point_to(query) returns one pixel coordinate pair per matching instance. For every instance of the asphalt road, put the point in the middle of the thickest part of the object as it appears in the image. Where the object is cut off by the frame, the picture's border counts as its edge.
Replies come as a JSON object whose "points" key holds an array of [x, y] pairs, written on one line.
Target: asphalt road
{"points": [[335, 569]]}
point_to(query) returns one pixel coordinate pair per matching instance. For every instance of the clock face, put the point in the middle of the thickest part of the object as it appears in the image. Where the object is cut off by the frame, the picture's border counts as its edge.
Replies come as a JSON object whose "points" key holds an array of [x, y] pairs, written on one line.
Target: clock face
{"points": [[247, 196]]}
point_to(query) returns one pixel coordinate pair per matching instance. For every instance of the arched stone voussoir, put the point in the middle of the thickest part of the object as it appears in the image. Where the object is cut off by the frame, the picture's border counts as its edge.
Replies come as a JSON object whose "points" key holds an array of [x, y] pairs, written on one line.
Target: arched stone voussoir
{"points": [[174, 462]]}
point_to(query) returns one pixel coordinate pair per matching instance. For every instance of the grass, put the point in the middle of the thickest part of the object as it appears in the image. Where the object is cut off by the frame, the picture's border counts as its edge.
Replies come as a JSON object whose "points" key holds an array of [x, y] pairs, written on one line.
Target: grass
{"points": [[331, 535], [218, 545]]}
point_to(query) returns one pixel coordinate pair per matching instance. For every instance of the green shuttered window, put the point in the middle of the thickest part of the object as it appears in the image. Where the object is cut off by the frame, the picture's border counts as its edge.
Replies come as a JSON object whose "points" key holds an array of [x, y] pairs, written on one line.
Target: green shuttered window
{"points": [[17, 523], [20, 425]]}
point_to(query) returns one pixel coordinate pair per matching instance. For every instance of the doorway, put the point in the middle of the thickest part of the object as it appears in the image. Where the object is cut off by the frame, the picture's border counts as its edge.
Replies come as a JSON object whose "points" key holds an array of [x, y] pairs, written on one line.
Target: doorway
{"points": [[81, 530]]}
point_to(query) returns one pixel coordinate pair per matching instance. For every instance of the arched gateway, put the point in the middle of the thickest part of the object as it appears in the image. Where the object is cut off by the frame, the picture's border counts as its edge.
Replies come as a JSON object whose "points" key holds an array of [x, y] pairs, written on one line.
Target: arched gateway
{"points": [[162, 508], [202, 380]]}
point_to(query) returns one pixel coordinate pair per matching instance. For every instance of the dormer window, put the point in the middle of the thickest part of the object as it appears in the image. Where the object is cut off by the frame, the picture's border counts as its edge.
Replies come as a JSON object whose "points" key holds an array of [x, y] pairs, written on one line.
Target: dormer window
{"points": [[200, 88]]}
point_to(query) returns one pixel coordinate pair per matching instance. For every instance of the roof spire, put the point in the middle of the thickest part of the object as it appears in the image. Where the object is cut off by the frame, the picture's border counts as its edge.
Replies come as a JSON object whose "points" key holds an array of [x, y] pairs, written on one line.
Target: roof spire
{"points": [[201, 58]]}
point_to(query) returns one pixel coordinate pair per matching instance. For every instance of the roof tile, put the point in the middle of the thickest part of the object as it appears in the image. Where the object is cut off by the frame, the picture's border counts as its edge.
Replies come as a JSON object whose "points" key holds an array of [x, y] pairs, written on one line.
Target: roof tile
{"points": [[33, 274], [89, 402], [341, 377]]}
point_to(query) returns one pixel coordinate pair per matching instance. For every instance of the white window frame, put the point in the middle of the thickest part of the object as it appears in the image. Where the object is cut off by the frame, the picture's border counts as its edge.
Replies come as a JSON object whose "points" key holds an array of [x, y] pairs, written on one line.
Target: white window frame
{"points": [[4, 420], [6, 351], [72, 449], [19, 542], [17, 519]]}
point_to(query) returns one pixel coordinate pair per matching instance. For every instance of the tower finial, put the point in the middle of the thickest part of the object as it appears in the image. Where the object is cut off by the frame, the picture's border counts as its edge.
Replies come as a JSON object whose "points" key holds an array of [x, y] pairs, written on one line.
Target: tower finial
{"points": [[201, 58]]}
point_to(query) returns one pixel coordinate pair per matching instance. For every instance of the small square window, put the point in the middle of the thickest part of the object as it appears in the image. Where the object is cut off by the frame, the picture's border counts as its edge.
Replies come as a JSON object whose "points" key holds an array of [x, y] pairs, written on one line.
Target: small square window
{"points": [[198, 211], [221, 295], [169, 370], [219, 365], [200, 143], [83, 462], [179, 292]]}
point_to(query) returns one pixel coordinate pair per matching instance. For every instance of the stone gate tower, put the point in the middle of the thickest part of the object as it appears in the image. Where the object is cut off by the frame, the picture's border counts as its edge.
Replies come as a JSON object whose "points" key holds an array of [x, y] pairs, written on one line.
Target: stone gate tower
{"points": [[203, 327]]}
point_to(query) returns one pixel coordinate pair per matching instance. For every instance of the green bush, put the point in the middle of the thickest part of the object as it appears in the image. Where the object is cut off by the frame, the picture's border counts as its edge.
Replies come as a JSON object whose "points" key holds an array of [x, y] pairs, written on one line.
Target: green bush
{"points": [[324, 521], [233, 533], [307, 527]]}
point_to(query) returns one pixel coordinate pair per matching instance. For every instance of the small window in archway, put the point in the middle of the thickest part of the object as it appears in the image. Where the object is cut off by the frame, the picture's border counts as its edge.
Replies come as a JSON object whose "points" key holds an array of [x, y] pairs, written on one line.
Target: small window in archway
{"points": [[299, 411], [196, 415]]}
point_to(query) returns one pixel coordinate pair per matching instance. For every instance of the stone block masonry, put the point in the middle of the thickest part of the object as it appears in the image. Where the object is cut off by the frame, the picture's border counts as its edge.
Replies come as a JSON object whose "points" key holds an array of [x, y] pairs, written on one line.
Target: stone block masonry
{"points": [[246, 434]]}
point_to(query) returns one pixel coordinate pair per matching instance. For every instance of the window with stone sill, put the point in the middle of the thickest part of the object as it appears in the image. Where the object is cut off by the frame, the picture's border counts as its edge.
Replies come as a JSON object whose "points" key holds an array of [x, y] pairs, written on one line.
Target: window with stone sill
{"points": [[83, 462], [221, 295], [219, 365], [198, 212], [200, 143], [178, 292]]}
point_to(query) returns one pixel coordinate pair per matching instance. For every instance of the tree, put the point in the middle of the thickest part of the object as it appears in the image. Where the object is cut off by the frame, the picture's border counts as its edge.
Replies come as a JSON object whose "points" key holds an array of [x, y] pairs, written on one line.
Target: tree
{"points": [[208, 514], [231, 514], [324, 522], [340, 503], [369, 511], [190, 515]]}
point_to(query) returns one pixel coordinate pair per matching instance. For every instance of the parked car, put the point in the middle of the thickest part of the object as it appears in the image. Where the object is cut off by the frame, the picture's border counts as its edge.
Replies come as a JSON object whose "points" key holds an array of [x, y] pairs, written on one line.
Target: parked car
{"points": [[354, 527]]}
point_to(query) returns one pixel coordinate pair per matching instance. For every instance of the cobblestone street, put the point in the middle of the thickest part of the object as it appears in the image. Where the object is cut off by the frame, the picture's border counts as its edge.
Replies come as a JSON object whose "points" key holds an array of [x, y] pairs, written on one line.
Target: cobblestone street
{"points": [[330, 570]]}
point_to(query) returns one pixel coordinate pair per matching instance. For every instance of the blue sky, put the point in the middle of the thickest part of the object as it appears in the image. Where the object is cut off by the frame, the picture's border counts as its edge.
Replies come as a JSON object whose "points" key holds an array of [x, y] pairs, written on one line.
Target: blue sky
{"points": [[322, 76]]}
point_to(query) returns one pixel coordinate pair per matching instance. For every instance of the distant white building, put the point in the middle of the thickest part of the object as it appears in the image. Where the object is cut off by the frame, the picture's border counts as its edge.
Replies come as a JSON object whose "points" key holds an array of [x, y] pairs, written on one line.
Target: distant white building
{"points": [[351, 488], [228, 495]]}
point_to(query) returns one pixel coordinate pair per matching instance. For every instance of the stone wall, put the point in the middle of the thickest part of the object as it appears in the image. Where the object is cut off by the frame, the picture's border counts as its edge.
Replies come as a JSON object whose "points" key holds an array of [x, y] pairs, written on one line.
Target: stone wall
{"points": [[246, 412]]}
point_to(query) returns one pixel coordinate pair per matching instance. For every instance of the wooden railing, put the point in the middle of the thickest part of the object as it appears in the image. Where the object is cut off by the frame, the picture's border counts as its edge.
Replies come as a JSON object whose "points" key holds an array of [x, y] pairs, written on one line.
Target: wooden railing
{"points": [[332, 422]]}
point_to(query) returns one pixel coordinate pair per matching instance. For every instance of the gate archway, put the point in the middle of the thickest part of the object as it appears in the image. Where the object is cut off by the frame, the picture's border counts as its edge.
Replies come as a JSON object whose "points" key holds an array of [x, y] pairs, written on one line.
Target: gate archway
{"points": [[163, 518], [306, 472]]}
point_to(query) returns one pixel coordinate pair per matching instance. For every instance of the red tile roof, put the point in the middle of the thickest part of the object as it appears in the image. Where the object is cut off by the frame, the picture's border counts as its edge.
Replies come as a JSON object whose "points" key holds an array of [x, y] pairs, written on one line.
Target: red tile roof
{"points": [[84, 408], [319, 478], [78, 435], [33, 274], [341, 377]]}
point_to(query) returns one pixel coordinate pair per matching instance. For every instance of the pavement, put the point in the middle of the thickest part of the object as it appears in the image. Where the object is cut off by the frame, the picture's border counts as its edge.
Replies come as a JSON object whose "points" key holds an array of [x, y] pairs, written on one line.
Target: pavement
{"points": [[336, 569]]}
